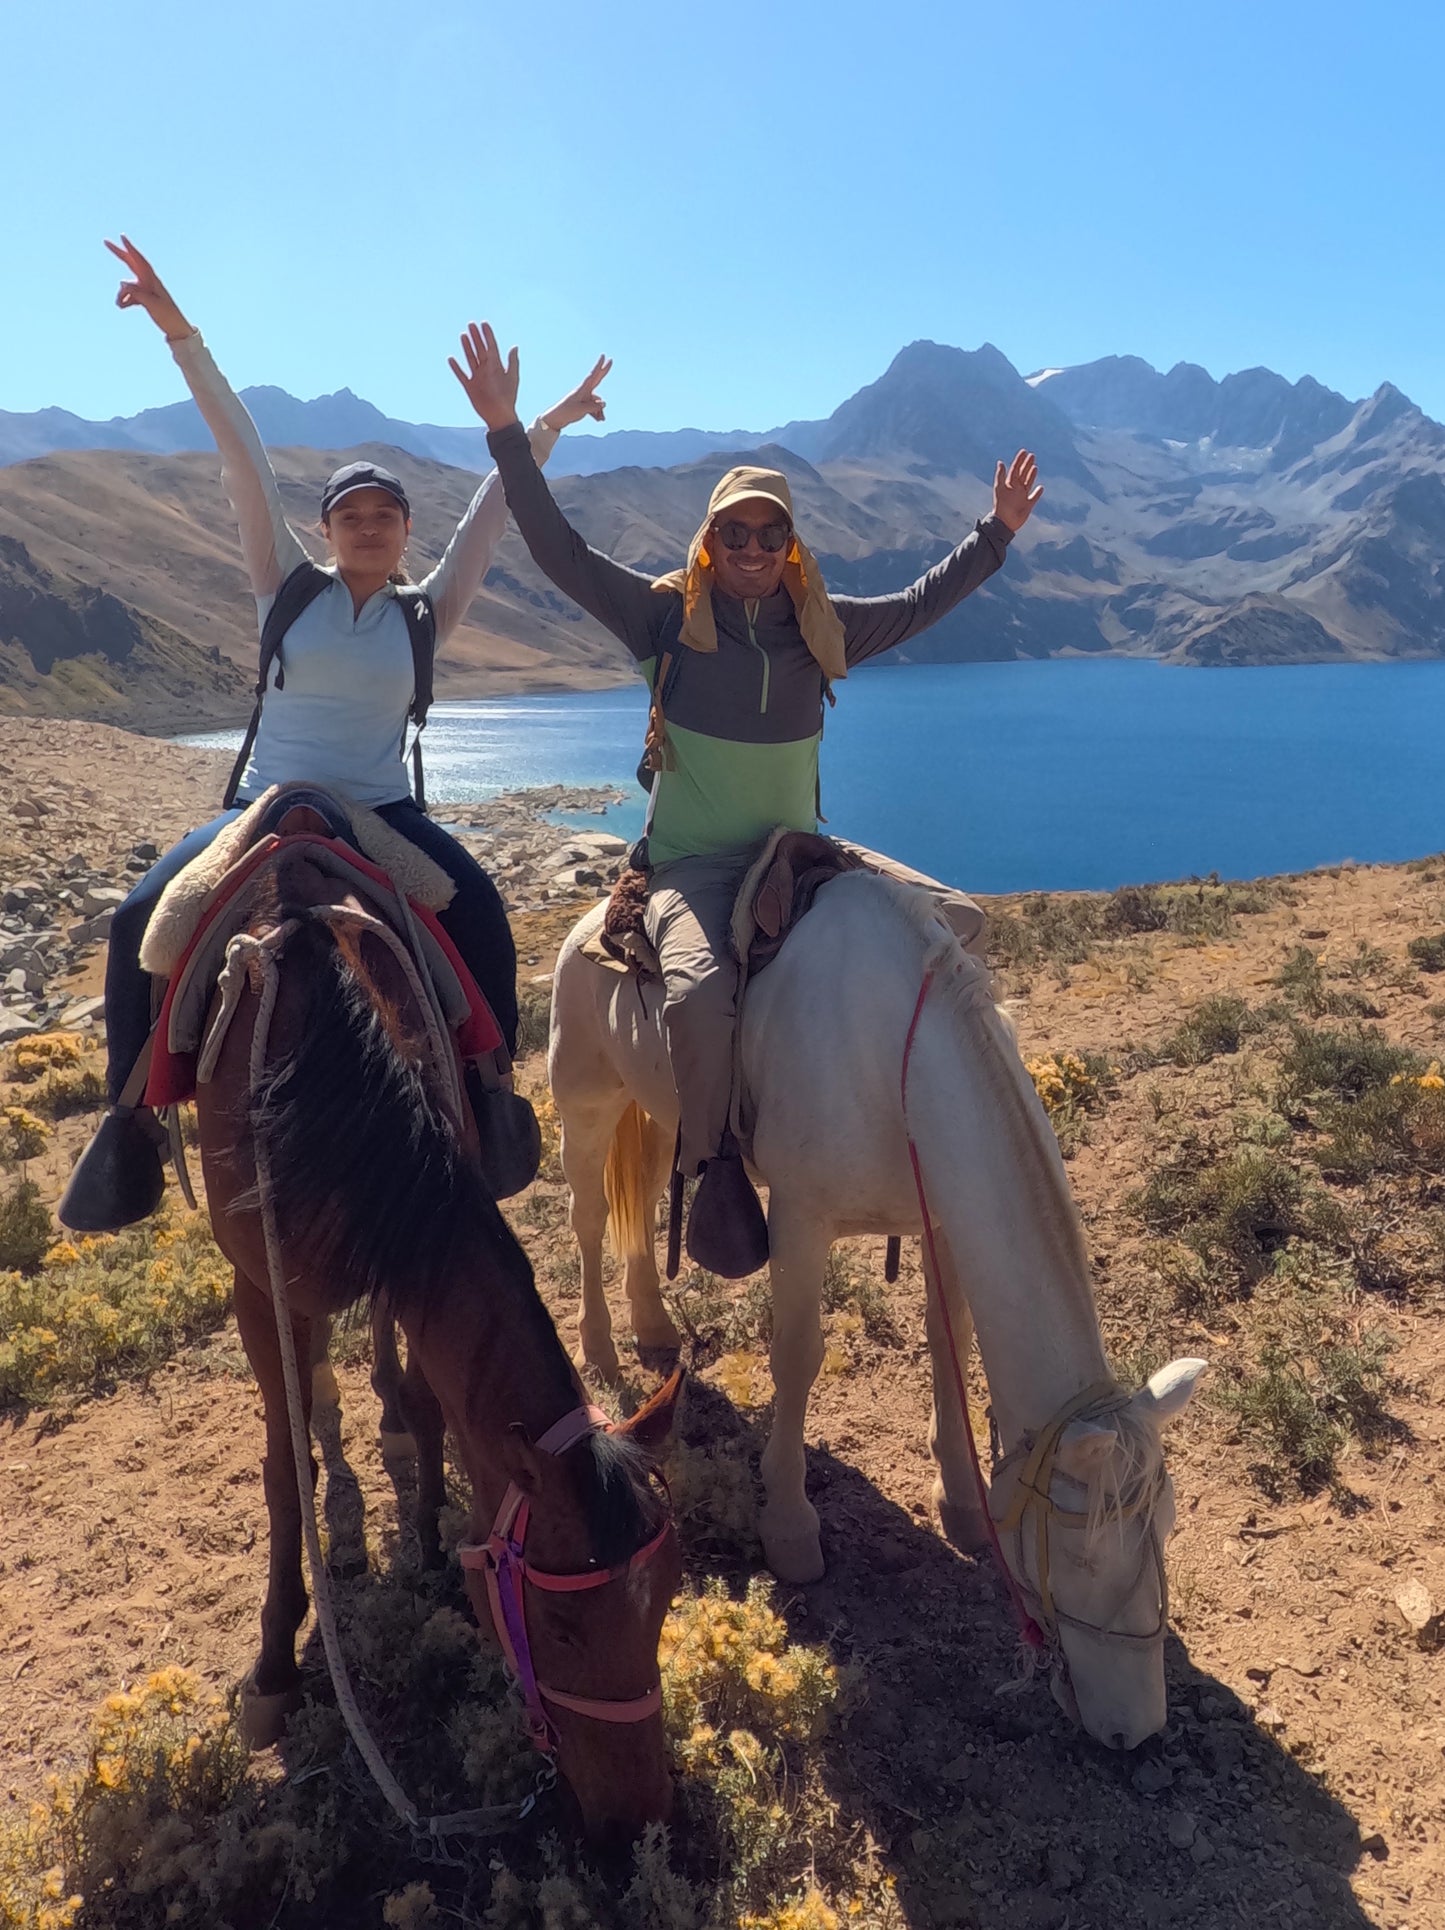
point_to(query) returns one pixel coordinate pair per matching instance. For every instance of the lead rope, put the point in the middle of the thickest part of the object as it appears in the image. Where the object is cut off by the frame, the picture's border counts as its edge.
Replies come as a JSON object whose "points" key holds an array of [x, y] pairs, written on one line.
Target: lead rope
{"points": [[470, 1821], [1036, 1643]]}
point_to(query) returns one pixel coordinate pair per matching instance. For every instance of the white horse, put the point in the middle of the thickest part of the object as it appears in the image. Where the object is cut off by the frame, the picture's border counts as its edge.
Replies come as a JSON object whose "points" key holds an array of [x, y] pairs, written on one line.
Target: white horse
{"points": [[1080, 1494]]}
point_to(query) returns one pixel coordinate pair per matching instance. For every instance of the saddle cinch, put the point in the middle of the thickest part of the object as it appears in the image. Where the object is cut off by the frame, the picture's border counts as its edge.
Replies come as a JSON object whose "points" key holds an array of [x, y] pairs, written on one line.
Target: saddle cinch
{"points": [[204, 906]]}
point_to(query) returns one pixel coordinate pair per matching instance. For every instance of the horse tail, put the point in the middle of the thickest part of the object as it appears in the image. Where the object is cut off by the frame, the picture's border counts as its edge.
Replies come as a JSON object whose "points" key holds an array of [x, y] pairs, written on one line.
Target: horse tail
{"points": [[638, 1144]]}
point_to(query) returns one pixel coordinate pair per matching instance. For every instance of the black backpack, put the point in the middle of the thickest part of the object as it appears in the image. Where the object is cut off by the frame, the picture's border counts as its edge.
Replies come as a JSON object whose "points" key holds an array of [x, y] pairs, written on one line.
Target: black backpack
{"points": [[301, 589]]}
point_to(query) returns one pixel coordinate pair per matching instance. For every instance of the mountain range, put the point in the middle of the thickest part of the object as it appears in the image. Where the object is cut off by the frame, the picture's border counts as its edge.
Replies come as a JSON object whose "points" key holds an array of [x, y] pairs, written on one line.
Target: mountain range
{"points": [[1248, 520]]}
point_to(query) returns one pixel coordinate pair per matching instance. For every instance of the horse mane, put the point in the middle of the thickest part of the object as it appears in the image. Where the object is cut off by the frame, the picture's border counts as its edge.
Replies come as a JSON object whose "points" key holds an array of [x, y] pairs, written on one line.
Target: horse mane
{"points": [[1129, 1482], [369, 1172], [373, 1176]]}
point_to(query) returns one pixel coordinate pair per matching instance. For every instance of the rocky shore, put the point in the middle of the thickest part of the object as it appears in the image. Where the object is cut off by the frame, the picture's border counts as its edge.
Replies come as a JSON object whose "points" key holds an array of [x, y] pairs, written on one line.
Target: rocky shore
{"points": [[86, 809]]}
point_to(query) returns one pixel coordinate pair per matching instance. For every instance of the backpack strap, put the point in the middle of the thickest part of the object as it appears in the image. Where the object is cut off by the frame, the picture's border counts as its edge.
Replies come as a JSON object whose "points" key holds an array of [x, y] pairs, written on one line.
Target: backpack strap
{"points": [[665, 669], [299, 590], [421, 628]]}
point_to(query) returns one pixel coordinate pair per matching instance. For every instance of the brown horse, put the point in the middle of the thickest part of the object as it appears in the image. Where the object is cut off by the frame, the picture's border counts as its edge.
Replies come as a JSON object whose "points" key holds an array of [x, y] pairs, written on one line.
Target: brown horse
{"points": [[353, 1141]]}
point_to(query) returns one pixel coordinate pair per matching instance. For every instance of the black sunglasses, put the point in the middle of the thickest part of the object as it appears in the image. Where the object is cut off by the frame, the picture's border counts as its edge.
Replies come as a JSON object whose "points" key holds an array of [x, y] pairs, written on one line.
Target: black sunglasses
{"points": [[771, 537]]}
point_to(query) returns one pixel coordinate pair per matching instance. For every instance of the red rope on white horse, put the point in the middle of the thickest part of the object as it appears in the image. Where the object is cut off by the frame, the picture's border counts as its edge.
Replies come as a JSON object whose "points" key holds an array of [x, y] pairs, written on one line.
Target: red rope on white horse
{"points": [[1032, 1634]]}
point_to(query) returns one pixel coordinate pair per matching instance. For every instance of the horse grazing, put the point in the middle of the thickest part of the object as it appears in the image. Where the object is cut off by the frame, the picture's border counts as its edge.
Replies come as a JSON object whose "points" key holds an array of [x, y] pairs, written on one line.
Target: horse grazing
{"points": [[1080, 1494], [334, 1132]]}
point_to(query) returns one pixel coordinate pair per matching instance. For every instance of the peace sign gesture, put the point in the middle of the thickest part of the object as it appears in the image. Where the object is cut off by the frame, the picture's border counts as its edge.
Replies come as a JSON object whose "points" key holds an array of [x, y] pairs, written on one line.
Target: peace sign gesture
{"points": [[490, 383], [1014, 493], [582, 401], [147, 291]]}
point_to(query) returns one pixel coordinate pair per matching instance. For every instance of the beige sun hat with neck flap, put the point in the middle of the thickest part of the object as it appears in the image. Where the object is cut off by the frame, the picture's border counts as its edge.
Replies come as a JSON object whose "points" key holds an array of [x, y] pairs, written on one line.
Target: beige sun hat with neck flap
{"points": [[819, 622]]}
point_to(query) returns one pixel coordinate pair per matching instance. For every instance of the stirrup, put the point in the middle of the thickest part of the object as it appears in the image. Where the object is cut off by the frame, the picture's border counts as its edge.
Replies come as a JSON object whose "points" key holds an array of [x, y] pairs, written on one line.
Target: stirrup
{"points": [[119, 1178]]}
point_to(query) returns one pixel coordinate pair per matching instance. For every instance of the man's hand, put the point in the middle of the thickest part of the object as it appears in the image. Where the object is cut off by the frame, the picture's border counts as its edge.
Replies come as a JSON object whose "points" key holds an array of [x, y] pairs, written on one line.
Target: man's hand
{"points": [[147, 291], [1015, 494], [490, 382], [582, 401]]}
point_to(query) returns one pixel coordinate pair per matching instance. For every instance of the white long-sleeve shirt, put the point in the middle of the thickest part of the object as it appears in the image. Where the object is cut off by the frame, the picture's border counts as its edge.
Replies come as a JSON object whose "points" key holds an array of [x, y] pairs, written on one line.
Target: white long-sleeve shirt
{"points": [[339, 719]]}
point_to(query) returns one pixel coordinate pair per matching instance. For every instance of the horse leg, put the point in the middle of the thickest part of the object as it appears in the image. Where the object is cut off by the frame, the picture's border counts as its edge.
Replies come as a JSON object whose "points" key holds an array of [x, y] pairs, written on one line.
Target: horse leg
{"points": [[324, 1390], [955, 1488], [422, 1412], [586, 1136], [658, 1341], [397, 1442], [789, 1523], [273, 1690]]}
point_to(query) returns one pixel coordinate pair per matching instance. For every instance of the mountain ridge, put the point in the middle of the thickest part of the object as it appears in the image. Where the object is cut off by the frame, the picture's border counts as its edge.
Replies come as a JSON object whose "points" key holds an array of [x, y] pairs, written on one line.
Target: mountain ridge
{"points": [[1250, 519]]}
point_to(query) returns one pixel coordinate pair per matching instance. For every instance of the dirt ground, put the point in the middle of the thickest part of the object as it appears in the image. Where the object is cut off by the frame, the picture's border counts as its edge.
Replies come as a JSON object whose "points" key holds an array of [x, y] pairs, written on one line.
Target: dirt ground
{"points": [[1302, 1775]]}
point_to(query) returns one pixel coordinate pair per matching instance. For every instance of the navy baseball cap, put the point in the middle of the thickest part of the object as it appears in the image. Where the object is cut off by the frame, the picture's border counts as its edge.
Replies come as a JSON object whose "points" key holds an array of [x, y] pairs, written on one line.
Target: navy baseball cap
{"points": [[362, 475]]}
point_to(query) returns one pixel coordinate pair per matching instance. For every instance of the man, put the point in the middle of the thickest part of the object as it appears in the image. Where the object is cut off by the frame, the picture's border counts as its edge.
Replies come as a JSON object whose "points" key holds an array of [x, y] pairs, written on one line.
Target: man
{"points": [[740, 648]]}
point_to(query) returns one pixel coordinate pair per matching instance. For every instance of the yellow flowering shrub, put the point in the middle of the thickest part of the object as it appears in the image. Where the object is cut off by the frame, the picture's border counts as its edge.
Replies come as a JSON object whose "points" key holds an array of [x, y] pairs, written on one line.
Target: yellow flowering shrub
{"points": [[729, 1663], [102, 1307], [22, 1135], [1064, 1082], [810, 1911], [32, 1058], [167, 1747]]}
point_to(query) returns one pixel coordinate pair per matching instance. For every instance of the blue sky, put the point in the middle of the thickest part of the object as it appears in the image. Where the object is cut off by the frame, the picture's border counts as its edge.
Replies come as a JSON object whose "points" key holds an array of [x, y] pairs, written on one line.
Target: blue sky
{"points": [[751, 207]]}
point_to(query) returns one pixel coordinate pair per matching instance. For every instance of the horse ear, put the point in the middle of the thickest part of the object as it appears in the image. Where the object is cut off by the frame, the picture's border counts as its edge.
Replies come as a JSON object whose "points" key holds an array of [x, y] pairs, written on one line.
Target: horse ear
{"points": [[651, 1425], [1084, 1447], [1169, 1392], [523, 1460]]}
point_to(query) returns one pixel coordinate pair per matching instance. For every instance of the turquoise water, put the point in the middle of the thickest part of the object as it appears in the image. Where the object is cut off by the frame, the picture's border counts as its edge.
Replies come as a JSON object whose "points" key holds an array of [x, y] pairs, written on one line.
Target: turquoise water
{"points": [[1046, 776]]}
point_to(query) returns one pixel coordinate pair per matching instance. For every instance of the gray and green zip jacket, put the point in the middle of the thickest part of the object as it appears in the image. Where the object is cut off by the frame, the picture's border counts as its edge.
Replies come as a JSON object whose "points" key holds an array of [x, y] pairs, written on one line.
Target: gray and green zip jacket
{"points": [[744, 723]]}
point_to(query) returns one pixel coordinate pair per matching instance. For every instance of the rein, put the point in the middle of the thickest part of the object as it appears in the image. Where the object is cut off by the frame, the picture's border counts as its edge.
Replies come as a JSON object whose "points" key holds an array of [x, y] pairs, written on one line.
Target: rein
{"points": [[244, 953], [1033, 1494], [502, 1559]]}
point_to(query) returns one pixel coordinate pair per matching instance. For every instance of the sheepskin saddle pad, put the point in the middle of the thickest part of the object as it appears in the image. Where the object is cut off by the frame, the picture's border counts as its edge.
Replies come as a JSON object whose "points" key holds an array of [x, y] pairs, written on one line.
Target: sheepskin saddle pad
{"points": [[182, 904]]}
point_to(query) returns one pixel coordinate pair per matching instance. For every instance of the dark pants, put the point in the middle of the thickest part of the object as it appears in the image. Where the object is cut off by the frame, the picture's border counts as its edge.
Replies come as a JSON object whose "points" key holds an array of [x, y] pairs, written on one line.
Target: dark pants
{"points": [[474, 921]]}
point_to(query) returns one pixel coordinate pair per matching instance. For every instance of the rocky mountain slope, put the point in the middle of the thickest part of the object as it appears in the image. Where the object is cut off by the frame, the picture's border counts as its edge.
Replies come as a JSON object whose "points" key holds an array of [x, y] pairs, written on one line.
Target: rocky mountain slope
{"points": [[1250, 520]]}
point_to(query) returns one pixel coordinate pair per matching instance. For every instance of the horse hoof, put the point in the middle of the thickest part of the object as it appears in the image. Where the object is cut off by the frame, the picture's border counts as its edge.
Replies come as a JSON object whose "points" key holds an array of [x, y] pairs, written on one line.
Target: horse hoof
{"points": [[963, 1527], [397, 1445], [263, 1718], [794, 1557], [324, 1390], [603, 1363], [658, 1357]]}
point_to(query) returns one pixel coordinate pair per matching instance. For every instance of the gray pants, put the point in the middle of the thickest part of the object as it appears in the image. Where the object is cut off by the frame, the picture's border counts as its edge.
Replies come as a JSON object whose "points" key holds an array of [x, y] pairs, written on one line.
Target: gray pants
{"points": [[689, 920]]}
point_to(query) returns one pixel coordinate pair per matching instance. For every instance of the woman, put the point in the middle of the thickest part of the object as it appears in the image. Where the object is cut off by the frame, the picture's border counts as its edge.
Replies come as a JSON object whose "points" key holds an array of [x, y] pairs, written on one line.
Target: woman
{"points": [[337, 717]]}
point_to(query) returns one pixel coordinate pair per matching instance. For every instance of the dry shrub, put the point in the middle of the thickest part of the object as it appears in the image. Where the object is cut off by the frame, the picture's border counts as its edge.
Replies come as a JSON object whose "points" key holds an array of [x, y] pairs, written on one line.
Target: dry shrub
{"points": [[1302, 980], [1234, 1214], [534, 1019], [92, 1310], [1216, 1025], [1428, 952], [1316, 1380], [1391, 1129], [1341, 1064]]}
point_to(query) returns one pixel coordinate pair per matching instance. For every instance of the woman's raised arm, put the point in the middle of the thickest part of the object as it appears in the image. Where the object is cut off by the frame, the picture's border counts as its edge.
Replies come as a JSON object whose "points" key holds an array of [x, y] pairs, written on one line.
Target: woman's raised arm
{"points": [[270, 548]]}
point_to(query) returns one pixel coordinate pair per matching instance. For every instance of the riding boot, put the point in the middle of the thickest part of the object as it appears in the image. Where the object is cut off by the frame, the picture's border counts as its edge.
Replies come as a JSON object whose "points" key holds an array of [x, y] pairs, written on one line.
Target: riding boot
{"points": [[726, 1230], [119, 1178], [509, 1138]]}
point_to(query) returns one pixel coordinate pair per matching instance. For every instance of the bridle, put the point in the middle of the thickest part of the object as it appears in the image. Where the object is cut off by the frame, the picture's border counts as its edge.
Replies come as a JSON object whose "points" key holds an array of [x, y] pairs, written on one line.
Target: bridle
{"points": [[1033, 1503], [502, 1560]]}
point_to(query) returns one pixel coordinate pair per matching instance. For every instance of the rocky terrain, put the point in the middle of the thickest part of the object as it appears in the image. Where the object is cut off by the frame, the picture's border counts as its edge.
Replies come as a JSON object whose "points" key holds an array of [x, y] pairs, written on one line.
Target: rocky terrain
{"points": [[1250, 520], [1301, 1779]]}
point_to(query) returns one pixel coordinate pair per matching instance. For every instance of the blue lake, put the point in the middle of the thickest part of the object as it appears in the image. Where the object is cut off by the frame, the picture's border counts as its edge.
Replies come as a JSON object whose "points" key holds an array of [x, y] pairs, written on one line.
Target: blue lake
{"points": [[1046, 776]]}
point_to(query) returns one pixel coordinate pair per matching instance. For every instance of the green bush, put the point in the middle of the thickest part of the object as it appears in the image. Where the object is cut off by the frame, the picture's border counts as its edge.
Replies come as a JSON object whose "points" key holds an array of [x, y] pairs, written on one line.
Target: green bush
{"points": [[1310, 1390], [25, 1230], [1428, 953], [1342, 1065], [1236, 1213], [1216, 1025]]}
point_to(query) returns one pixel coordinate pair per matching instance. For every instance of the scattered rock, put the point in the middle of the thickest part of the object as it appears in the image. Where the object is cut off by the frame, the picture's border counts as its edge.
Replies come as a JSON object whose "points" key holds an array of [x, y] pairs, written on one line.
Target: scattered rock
{"points": [[1181, 1829], [1064, 1868], [1414, 1602], [15, 1025], [1151, 1778]]}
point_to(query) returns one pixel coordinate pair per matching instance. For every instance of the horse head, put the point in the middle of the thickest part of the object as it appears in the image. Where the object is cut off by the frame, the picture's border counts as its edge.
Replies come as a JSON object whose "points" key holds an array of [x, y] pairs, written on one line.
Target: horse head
{"points": [[590, 1590], [1083, 1508]]}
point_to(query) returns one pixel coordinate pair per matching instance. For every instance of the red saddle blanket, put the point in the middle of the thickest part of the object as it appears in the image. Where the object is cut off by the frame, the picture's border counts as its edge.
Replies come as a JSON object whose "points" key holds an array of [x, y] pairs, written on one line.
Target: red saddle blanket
{"points": [[172, 1077]]}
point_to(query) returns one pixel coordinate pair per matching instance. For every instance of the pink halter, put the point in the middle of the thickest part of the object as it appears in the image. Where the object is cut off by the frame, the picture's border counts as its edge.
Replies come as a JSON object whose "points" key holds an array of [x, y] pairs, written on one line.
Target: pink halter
{"points": [[501, 1557]]}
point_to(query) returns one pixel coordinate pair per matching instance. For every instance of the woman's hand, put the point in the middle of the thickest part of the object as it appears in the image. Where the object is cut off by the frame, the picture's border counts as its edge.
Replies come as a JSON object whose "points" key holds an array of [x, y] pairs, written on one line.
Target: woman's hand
{"points": [[1014, 494], [490, 383], [148, 291], [582, 401]]}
